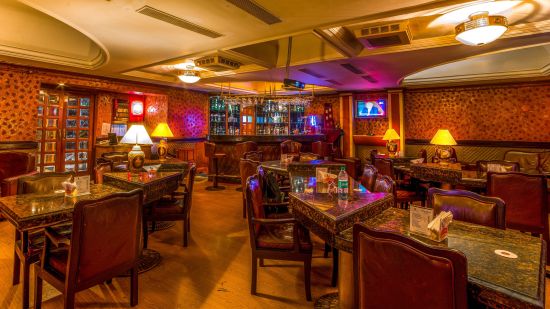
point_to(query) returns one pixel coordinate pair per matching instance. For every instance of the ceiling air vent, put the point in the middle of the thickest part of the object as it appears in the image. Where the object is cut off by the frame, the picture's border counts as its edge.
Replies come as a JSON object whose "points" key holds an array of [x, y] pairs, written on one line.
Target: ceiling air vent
{"points": [[217, 63], [370, 79], [176, 21], [310, 72], [334, 82], [256, 10], [385, 35], [350, 67]]}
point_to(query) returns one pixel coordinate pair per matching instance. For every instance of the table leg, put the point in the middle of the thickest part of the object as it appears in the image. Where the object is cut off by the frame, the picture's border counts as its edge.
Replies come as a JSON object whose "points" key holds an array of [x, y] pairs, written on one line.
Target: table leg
{"points": [[344, 298]]}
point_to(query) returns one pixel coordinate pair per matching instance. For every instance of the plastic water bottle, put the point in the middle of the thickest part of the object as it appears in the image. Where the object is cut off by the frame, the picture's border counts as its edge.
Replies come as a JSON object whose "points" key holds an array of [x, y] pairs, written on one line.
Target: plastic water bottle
{"points": [[343, 184]]}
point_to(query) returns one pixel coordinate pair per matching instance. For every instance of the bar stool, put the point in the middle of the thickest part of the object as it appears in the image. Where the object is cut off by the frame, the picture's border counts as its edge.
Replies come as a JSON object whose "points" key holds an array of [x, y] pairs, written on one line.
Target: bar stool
{"points": [[213, 158], [241, 149]]}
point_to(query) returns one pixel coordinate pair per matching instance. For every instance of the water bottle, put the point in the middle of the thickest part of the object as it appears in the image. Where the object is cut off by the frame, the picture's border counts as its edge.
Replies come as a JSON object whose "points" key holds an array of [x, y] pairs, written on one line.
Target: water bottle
{"points": [[343, 184]]}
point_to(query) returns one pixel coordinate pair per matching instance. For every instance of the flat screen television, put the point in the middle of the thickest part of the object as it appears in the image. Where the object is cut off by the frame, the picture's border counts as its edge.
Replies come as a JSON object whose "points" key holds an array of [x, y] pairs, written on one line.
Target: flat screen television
{"points": [[370, 108]]}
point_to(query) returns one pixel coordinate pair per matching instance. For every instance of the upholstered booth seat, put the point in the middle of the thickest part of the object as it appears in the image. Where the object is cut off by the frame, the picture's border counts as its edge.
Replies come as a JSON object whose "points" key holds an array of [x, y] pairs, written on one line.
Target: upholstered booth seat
{"points": [[280, 237]]}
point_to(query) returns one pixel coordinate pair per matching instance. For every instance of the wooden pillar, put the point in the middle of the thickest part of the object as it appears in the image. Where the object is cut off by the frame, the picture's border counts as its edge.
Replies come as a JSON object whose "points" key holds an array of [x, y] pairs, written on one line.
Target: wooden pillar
{"points": [[396, 117], [346, 121]]}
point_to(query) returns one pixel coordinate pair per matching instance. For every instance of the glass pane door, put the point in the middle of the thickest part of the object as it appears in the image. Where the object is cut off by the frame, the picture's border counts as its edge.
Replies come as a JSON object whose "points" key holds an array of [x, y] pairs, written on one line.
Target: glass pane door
{"points": [[77, 133], [47, 131]]}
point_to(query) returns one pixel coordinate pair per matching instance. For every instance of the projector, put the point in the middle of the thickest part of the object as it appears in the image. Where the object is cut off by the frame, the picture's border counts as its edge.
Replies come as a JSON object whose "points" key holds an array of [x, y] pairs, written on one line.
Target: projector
{"points": [[292, 84]]}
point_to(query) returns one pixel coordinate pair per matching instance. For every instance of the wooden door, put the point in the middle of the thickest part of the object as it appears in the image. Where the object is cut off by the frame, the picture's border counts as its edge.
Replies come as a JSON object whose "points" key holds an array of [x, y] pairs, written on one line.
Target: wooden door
{"points": [[65, 131]]}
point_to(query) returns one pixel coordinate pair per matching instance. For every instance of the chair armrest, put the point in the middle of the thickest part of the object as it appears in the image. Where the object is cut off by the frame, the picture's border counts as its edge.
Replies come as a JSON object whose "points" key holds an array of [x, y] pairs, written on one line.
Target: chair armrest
{"points": [[9, 185], [55, 238], [273, 221]]}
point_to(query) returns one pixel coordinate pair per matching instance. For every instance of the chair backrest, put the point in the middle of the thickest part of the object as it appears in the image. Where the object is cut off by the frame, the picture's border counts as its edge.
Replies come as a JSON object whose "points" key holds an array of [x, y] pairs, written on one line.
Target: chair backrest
{"points": [[15, 163], [529, 162], [469, 207], [209, 149], [385, 184], [526, 198], [307, 156], [247, 168], [190, 185], [322, 149], [105, 239], [254, 156], [384, 167], [42, 183], [499, 166], [290, 146], [254, 206], [423, 154], [368, 179], [100, 169], [244, 147], [426, 277]]}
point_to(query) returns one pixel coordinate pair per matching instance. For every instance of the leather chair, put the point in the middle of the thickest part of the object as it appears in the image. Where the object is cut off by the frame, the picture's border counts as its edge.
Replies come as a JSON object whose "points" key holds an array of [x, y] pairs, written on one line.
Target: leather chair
{"points": [[105, 243], [526, 198], [308, 156], [469, 207], [119, 160], [452, 158], [495, 166], [323, 149], [368, 179], [254, 156], [385, 167], [290, 147], [178, 208], [353, 166], [277, 239], [28, 252], [213, 157], [372, 156], [100, 169], [247, 168], [13, 164], [385, 184], [405, 193], [394, 271]]}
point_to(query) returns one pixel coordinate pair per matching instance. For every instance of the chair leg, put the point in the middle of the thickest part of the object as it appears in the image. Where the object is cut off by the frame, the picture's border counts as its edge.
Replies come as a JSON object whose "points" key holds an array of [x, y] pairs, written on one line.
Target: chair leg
{"points": [[185, 231], [37, 290], [26, 279], [16, 268], [326, 251], [145, 233], [254, 275], [134, 287], [262, 263], [68, 300], [334, 280], [307, 277], [189, 223], [215, 180]]}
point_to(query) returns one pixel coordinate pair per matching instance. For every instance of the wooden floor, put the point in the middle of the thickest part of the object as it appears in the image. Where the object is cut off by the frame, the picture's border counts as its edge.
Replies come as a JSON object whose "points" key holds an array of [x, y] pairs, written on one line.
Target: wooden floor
{"points": [[213, 272]]}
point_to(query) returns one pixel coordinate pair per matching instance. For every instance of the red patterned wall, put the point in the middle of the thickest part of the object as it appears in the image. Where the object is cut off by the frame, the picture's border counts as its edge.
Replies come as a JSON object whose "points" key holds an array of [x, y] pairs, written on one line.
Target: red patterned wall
{"points": [[188, 113], [513, 112], [156, 110], [19, 87], [317, 108], [104, 111]]}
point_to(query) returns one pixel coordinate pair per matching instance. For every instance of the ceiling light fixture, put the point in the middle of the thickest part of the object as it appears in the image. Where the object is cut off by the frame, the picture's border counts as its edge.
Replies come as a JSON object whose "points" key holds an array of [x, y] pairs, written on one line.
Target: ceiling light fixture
{"points": [[481, 29], [188, 74]]}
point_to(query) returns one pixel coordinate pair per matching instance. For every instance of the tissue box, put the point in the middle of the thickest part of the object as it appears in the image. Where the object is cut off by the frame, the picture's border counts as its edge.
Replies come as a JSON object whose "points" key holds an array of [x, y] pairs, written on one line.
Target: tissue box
{"points": [[440, 235]]}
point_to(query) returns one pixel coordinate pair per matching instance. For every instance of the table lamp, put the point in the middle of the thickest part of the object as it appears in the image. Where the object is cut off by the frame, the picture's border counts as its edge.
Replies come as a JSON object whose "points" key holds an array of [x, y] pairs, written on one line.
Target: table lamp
{"points": [[443, 138], [136, 157], [162, 130], [390, 136]]}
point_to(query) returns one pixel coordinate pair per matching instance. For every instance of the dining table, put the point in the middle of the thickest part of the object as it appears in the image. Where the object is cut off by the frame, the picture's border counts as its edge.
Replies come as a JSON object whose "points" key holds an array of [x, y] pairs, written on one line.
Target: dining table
{"points": [[281, 168], [451, 174], [327, 216], [494, 281]]}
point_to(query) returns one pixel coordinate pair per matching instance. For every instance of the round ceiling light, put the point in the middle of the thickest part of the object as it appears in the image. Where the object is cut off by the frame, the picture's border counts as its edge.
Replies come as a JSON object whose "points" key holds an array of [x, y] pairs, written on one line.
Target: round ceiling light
{"points": [[481, 29], [188, 73]]}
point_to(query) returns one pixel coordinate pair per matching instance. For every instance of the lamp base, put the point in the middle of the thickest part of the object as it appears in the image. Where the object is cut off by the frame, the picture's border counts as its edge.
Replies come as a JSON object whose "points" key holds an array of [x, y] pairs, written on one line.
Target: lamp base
{"points": [[162, 149], [391, 146], [136, 159], [443, 155]]}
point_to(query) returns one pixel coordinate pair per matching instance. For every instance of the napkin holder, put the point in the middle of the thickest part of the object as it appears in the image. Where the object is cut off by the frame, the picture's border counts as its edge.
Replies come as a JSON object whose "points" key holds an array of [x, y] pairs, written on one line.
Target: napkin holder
{"points": [[439, 226], [326, 182]]}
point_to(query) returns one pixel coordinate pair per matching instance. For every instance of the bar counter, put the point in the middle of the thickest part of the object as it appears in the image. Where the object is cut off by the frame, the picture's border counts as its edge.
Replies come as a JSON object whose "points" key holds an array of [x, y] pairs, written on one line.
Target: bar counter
{"points": [[268, 144]]}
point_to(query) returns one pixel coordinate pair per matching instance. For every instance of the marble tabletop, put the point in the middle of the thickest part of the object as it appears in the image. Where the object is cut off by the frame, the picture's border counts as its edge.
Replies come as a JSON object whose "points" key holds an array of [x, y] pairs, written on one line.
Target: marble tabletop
{"points": [[279, 167], [155, 185], [29, 211], [493, 280]]}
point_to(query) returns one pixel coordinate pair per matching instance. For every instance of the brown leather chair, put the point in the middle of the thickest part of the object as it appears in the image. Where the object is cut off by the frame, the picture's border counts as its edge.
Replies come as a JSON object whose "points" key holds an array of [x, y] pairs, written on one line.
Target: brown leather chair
{"points": [[526, 198], [385, 167], [368, 179], [495, 166], [100, 169], [247, 168], [276, 239], [28, 252], [394, 271], [177, 208], [13, 164], [104, 244], [254, 156], [353, 166], [404, 193], [290, 147], [469, 207], [323, 149], [385, 184], [308, 156], [214, 157], [118, 158]]}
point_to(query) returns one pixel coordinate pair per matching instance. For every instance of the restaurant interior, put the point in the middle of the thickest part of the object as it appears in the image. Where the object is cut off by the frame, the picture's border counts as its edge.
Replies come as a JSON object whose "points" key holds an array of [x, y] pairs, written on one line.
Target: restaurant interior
{"points": [[331, 154]]}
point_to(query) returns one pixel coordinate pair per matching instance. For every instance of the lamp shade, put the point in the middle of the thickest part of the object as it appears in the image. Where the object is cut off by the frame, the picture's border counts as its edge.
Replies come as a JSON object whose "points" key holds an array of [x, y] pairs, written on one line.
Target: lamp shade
{"points": [[444, 138], [162, 130], [137, 135], [390, 134]]}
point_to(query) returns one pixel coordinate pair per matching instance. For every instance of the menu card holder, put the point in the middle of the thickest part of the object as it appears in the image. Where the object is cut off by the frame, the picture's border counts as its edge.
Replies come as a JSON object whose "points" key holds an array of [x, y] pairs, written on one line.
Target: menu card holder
{"points": [[322, 186], [420, 217], [82, 184]]}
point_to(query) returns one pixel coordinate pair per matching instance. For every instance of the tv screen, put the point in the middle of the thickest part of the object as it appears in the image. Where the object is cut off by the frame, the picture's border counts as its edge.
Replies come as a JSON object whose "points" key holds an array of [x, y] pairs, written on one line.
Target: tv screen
{"points": [[370, 108]]}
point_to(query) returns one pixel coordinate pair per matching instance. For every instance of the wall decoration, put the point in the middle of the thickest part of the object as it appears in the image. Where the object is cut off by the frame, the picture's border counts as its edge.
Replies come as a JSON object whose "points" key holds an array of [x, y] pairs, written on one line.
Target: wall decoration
{"points": [[136, 108]]}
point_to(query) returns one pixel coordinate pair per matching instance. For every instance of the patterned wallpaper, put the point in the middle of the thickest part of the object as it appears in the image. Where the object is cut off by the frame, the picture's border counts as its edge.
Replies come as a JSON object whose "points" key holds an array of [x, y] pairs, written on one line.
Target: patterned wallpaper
{"points": [[19, 88], [188, 113], [514, 112], [156, 110], [317, 108], [104, 114]]}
